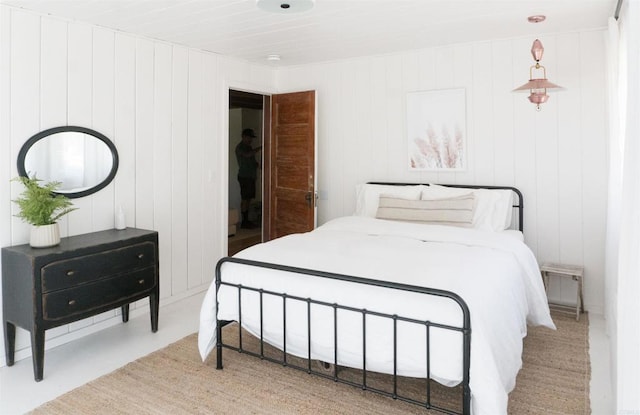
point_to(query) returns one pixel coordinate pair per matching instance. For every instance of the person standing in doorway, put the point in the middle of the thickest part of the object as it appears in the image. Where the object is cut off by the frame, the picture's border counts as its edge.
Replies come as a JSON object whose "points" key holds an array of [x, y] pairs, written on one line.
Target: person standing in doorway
{"points": [[247, 169]]}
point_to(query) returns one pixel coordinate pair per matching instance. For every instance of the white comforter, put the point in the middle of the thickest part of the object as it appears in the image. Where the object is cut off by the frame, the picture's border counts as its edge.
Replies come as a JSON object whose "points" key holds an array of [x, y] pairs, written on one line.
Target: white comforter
{"points": [[496, 274]]}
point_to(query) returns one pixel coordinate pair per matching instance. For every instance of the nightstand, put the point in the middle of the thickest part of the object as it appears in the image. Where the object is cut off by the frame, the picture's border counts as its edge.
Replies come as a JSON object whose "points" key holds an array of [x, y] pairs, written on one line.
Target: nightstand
{"points": [[575, 272]]}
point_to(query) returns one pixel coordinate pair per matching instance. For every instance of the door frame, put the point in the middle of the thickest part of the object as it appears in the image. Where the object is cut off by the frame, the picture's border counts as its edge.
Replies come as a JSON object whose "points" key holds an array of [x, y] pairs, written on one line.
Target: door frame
{"points": [[224, 162], [266, 167], [266, 179]]}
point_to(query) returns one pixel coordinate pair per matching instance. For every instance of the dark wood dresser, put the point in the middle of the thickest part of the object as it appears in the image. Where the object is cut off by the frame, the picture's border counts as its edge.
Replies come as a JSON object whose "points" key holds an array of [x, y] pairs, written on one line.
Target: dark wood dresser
{"points": [[83, 276]]}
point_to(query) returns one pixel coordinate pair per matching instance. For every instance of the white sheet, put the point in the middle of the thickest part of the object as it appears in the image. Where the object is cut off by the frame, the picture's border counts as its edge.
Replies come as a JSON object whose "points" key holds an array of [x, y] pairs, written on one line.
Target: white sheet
{"points": [[495, 274]]}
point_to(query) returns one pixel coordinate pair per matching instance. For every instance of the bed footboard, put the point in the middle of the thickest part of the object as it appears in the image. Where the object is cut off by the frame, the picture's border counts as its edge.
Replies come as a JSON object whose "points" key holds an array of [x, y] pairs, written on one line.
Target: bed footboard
{"points": [[464, 329]]}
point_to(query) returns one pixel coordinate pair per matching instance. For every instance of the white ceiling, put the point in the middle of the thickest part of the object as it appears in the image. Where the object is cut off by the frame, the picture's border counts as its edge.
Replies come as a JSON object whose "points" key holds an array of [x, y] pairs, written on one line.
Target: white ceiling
{"points": [[332, 29]]}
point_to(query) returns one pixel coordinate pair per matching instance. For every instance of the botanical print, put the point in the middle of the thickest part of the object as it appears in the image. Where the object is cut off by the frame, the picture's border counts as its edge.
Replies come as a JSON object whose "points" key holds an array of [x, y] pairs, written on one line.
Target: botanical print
{"points": [[436, 129]]}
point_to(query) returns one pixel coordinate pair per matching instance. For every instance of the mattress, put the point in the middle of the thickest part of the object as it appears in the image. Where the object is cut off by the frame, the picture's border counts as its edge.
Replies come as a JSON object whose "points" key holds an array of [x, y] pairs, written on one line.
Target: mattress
{"points": [[494, 272]]}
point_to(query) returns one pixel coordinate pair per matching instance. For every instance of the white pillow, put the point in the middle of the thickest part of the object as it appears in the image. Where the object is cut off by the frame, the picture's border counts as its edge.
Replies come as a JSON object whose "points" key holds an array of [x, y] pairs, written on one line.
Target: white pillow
{"points": [[504, 209], [493, 209], [368, 195]]}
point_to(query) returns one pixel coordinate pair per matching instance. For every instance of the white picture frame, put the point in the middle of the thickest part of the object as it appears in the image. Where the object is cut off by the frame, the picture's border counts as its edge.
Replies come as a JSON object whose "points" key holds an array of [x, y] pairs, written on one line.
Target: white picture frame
{"points": [[436, 130]]}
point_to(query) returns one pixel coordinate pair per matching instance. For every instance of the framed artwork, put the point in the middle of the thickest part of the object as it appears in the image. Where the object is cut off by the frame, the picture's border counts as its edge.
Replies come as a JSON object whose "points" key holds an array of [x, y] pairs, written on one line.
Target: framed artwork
{"points": [[436, 130]]}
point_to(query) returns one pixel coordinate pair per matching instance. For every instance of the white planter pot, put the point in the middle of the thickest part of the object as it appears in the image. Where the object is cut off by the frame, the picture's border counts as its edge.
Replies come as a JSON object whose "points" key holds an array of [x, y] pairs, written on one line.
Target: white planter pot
{"points": [[45, 236]]}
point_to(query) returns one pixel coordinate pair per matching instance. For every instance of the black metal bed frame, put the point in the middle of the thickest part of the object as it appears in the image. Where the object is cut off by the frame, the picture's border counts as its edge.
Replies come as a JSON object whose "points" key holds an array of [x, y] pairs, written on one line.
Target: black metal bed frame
{"points": [[464, 329]]}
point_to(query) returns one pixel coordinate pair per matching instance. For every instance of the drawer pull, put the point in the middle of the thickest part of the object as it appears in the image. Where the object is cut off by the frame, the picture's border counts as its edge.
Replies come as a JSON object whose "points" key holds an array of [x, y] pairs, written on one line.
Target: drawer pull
{"points": [[72, 302], [70, 273], [141, 281], [140, 256]]}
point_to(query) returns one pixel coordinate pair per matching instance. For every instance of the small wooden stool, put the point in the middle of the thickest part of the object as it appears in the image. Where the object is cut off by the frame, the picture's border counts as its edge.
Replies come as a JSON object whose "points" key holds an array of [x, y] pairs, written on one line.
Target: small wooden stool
{"points": [[574, 272]]}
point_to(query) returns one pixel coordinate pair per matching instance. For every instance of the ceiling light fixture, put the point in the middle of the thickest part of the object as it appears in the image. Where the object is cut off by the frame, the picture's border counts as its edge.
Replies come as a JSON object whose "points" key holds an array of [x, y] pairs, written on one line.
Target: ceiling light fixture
{"points": [[537, 18], [285, 6], [537, 87], [273, 58]]}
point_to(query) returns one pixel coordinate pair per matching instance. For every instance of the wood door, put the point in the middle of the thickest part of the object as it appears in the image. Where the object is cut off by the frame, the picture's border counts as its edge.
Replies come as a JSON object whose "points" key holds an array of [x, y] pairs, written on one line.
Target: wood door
{"points": [[291, 165]]}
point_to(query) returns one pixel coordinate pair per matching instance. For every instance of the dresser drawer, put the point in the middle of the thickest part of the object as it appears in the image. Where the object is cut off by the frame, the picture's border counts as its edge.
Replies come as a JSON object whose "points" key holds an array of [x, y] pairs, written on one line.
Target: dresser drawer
{"points": [[102, 293], [71, 272]]}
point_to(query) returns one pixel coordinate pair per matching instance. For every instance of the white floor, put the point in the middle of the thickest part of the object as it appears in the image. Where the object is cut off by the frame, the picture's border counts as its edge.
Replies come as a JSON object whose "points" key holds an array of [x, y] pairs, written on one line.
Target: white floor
{"points": [[75, 363], [70, 365]]}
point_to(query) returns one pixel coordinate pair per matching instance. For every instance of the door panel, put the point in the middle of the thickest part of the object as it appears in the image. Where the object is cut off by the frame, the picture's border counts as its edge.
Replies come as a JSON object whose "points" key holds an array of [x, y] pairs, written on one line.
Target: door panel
{"points": [[292, 164], [292, 154], [266, 168]]}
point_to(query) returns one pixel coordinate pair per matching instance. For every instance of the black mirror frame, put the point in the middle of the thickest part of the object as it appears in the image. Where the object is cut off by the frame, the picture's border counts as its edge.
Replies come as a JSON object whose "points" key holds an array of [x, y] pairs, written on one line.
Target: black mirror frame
{"points": [[72, 195]]}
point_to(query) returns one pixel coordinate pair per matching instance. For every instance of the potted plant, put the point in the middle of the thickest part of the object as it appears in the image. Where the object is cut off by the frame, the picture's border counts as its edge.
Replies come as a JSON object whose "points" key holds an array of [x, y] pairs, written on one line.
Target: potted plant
{"points": [[41, 207]]}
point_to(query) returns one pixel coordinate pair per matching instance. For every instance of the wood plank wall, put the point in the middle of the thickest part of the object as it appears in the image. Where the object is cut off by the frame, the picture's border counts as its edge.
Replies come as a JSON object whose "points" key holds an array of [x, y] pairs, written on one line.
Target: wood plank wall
{"points": [[557, 157], [165, 108]]}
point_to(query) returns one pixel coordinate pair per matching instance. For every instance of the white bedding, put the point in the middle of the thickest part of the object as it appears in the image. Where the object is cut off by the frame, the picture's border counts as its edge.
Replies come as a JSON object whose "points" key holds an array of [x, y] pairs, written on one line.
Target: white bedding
{"points": [[496, 274]]}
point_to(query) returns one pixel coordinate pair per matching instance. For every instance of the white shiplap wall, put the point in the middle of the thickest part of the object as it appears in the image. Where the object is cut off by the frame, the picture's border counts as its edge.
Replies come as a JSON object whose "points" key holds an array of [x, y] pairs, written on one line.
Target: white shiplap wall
{"points": [[557, 156], [165, 108]]}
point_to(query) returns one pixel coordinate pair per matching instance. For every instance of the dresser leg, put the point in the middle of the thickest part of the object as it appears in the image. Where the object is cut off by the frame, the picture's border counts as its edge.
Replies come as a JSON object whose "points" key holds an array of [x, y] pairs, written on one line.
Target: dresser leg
{"points": [[125, 313], [9, 342], [37, 353], [154, 300]]}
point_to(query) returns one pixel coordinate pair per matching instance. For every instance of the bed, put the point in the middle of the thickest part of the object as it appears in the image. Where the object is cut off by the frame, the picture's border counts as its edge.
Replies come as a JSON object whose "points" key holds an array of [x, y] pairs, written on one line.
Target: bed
{"points": [[423, 281]]}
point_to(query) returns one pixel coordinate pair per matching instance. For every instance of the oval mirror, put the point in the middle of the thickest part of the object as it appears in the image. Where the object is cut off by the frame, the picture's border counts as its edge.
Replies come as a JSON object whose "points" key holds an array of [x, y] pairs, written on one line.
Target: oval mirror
{"points": [[81, 159]]}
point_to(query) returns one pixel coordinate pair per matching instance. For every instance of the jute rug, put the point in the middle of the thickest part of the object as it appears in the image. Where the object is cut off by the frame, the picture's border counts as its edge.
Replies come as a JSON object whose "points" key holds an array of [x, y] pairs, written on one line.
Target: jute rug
{"points": [[554, 380]]}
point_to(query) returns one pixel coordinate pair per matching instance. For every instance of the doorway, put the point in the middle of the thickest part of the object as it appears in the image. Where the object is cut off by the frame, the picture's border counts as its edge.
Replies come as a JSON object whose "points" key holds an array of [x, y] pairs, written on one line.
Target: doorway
{"points": [[285, 197], [246, 111]]}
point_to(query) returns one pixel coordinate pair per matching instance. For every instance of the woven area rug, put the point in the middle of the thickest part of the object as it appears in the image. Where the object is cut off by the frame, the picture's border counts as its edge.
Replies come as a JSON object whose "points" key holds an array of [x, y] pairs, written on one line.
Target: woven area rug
{"points": [[554, 380]]}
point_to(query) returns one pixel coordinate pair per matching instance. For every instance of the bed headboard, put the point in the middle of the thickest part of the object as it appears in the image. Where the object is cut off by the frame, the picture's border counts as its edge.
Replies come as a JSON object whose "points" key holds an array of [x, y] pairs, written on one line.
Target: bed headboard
{"points": [[518, 201]]}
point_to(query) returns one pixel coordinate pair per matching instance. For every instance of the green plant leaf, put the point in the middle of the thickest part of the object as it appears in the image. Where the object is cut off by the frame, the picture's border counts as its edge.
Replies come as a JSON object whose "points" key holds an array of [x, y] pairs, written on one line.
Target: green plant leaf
{"points": [[38, 204]]}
